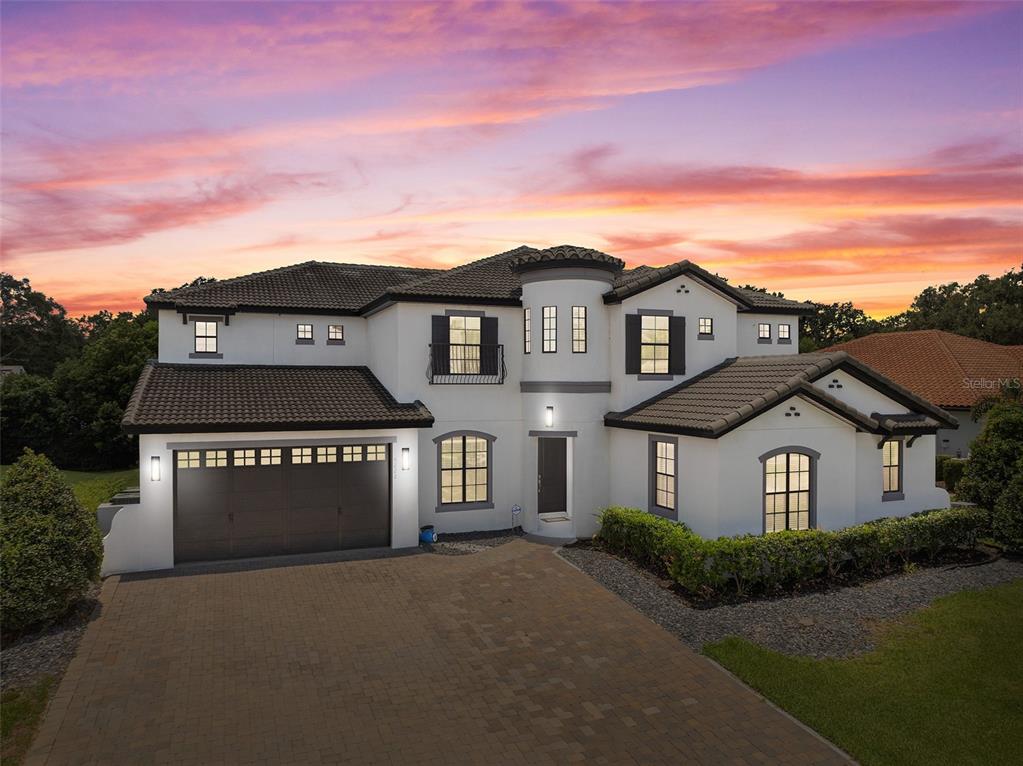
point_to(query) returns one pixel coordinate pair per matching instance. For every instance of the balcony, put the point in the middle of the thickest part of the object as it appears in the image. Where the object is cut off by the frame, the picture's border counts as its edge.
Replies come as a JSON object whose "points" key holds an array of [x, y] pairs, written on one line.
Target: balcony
{"points": [[464, 363]]}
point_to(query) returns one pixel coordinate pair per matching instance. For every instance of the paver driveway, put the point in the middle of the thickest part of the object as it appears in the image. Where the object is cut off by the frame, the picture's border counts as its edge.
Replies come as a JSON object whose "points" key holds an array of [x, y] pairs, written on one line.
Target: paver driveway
{"points": [[505, 656]]}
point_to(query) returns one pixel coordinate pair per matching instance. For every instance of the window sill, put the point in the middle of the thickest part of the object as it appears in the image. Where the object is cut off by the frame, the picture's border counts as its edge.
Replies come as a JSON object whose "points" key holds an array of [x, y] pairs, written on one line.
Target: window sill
{"points": [[887, 497], [787, 341], [335, 342], [304, 341], [705, 336], [653, 376], [449, 507], [205, 355], [664, 513], [764, 341]]}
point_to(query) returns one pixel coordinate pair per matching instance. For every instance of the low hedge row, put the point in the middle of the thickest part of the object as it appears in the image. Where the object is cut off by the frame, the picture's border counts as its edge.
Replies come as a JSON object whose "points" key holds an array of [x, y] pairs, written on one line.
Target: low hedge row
{"points": [[781, 560]]}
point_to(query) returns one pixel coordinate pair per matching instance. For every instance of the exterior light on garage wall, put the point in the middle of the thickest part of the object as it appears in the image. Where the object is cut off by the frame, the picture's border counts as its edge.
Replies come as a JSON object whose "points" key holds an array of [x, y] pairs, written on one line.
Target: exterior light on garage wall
{"points": [[406, 458], [154, 468], [548, 418]]}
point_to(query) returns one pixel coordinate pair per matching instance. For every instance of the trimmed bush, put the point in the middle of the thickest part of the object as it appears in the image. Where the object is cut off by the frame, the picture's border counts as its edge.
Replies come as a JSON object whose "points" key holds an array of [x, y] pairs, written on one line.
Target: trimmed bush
{"points": [[993, 455], [1007, 518], [784, 560], [50, 547], [954, 469]]}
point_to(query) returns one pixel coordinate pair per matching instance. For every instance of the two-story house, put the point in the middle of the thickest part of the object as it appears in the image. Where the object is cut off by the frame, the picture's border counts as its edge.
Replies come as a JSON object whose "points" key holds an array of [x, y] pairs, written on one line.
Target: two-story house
{"points": [[328, 406]]}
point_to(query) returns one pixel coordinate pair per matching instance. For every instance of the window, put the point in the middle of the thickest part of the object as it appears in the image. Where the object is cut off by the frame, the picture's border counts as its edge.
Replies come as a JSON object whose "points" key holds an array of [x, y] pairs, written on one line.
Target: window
{"points": [[464, 470], [244, 457], [352, 454], [891, 469], [787, 491], [205, 337], [301, 455], [653, 350], [464, 345], [326, 454], [706, 326], [188, 460], [270, 456], [304, 332], [376, 452], [216, 458], [783, 332], [550, 329], [664, 475], [527, 331], [578, 329], [764, 331], [336, 333]]}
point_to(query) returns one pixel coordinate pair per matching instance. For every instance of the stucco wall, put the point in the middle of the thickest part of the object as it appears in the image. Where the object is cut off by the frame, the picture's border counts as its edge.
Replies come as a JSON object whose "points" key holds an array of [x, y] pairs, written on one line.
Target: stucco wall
{"points": [[748, 339], [855, 393]]}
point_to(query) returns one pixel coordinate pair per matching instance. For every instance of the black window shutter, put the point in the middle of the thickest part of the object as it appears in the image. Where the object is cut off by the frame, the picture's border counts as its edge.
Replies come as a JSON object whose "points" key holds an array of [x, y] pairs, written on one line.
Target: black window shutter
{"points": [[677, 345], [633, 336], [490, 359], [439, 338]]}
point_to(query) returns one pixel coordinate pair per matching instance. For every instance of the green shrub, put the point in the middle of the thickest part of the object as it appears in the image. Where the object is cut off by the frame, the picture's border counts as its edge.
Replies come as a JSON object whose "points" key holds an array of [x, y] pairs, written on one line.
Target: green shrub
{"points": [[784, 560], [993, 455], [1007, 518], [50, 547], [954, 469], [939, 466]]}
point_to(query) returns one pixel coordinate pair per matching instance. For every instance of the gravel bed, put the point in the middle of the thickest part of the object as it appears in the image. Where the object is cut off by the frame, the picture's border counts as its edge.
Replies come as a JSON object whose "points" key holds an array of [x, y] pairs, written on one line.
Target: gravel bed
{"points": [[465, 543], [46, 652], [837, 623]]}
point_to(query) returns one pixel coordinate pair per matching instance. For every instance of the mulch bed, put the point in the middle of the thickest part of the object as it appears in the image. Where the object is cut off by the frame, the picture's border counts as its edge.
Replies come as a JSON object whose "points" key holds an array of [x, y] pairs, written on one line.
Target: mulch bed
{"points": [[466, 543]]}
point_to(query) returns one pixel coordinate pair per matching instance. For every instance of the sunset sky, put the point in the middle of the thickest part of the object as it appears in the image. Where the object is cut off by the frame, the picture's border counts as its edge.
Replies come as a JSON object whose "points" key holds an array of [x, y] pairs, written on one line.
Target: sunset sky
{"points": [[857, 151]]}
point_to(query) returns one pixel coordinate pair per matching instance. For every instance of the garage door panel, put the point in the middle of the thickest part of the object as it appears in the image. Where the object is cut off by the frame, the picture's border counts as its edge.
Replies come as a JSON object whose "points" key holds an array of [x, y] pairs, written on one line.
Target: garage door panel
{"points": [[258, 479], [365, 504]]}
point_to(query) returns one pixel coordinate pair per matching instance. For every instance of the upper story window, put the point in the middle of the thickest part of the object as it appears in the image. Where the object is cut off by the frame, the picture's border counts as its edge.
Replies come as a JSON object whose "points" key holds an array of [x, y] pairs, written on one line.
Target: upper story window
{"points": [[464, 351], [527, 330], [303, 333], [764, 332], [784, 332], [891, 470], [654, 345], [706, 326], [788, 489], [335, 334], [578, 329], [550, 329], [205, 337]]}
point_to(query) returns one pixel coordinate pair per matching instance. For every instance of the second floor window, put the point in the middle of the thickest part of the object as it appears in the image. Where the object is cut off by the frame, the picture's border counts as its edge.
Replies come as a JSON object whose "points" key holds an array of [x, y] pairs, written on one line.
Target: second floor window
{"points": [[464, 348], [706, 326], [550, 329], [578, 329], [654, 345], [304, 332], [336, 332], [205, 337], [783, 332], [764, 331], [527, 331]]}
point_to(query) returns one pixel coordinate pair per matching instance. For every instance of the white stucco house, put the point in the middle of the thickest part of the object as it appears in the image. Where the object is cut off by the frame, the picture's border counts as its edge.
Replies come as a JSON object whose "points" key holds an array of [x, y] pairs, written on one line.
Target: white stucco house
{"points": [[327, 406]]}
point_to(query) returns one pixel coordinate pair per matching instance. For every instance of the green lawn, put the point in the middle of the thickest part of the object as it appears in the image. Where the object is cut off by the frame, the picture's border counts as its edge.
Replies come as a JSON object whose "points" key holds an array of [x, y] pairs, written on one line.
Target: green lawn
{"points": [[22, 709], [95, 487], [943, 686]]}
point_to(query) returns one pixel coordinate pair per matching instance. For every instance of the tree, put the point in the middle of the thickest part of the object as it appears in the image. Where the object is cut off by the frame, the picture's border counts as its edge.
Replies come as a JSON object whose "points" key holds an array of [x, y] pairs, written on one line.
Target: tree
{"points": [[35, 331], [26, 415], [832, 323], [993, 455]]}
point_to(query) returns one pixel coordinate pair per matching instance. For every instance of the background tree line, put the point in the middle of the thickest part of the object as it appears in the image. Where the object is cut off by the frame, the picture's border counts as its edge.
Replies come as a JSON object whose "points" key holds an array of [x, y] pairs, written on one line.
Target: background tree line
{"points": [[79, 373]]}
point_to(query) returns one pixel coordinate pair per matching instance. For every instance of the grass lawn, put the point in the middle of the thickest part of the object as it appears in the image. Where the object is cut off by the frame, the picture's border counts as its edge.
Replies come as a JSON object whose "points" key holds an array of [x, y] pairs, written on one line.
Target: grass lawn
{"points": [[95, 487], [944, 686], [22, 709]]}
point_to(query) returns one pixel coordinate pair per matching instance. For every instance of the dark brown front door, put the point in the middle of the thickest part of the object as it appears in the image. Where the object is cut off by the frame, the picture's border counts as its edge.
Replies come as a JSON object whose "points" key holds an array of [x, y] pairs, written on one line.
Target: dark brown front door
{"points": [[551, 475]]}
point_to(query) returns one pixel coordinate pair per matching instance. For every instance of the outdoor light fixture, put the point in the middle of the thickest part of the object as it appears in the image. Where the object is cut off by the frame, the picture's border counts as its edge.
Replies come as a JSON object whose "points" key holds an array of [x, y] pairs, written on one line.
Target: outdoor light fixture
{"points": [[406, 458], [154, 468], [548, 418]]}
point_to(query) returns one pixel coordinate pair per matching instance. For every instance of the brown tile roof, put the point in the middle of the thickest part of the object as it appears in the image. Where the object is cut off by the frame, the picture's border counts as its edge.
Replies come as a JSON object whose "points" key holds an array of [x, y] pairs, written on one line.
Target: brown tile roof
{"points": [[489, 280], [947, 369], [724, 397], [178, 398], [565, 255]]}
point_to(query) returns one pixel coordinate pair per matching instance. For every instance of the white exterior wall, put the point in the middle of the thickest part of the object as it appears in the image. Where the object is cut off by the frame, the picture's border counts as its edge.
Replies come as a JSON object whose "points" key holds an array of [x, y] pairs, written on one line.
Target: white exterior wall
{"points": [[919, 490], [956, 442], [748, 339], [255, 338], [855, 393], [593, 365]]}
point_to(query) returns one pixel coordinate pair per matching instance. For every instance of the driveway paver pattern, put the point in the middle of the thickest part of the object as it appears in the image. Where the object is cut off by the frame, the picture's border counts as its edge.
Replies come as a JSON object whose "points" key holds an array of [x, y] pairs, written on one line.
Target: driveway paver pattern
{"points": [[508, 656]]}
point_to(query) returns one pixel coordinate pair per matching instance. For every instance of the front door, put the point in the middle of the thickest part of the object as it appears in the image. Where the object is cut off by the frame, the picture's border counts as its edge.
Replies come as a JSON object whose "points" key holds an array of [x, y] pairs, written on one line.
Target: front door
{"points": [[551, 475]]}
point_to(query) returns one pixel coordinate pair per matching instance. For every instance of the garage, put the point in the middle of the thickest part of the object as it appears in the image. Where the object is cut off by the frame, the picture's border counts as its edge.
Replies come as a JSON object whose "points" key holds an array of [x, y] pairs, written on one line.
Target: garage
{"points": [[273, 500]]}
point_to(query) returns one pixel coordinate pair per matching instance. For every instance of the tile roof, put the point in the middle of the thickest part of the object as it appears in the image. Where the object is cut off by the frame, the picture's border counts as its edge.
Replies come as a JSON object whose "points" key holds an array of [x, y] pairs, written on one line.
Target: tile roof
{"points": [[489, 279], [178, 398], [565, 255], [947, 369], [724, 397]]}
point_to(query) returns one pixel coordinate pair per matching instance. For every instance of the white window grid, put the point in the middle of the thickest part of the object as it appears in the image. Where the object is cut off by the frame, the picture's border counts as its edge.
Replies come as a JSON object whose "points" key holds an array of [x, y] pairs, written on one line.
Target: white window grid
{"points": [[578, 329], [550, 329]]}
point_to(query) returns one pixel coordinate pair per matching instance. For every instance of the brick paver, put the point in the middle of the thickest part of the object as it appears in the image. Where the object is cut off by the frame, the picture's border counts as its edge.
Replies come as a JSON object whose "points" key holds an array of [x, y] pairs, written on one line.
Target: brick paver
{"points": [[509, 656]]}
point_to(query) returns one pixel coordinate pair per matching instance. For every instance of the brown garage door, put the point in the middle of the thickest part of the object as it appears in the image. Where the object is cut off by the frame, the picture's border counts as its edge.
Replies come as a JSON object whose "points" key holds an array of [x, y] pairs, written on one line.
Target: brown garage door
{"points": [[232, 503]]}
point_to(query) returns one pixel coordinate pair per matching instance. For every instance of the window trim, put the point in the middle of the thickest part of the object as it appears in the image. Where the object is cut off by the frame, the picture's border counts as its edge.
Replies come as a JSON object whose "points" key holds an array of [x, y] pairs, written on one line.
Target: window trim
{"points": [[543, 330], [900, 493], [301, 341], [480, 505], [814, 456], [340, 341], [196, 353], [652, 506], [585, 331], [764, 339], [666, 375], [700, 334]]}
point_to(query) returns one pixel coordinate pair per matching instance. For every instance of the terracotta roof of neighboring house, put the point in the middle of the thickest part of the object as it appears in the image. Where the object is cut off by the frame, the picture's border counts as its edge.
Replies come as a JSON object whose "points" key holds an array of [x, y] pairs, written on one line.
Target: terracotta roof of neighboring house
{"points": [[178, 398], [724, 397], [947, 369], [346, 288]]}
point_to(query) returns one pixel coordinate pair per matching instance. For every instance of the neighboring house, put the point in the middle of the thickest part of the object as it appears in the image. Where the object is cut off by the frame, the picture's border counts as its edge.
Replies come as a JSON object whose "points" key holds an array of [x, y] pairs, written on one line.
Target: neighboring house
{"points": [[11, 369], [952, 371], [324, 406]]}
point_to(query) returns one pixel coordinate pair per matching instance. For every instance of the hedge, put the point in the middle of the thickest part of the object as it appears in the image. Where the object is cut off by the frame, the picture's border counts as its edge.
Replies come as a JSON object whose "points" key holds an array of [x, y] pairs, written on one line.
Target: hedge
{"points": [[1007, 518], [953, 472], [782, 560]]}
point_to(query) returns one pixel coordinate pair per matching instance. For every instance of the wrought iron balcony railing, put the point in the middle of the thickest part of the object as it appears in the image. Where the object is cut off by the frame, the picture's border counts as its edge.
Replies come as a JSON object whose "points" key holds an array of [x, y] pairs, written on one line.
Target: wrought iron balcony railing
{"points": [[466, 363]]}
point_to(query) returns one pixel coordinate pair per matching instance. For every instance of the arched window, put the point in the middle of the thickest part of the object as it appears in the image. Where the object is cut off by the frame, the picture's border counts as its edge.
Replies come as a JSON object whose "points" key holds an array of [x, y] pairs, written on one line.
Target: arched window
{"points": [[465, 478], [790, 488]]}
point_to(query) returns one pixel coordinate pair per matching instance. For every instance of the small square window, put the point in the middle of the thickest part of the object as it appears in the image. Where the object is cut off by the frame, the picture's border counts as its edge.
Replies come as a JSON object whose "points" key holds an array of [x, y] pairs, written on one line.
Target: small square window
{"points": [[326, 454], [376, 452], [301, 455], [205, 337], [335, 332], [216, 458], [783, 331], [304, 332], [244, 457], [271, 456], [351, 454], [764, 331], [706, 326], [188, 459]]}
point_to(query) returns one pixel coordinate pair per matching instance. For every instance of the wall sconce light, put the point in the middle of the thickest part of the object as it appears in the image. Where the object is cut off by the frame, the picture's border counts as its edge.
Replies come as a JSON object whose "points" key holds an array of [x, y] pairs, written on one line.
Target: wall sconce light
{"points": [[548, 418], [406, 458], [154, 468]]}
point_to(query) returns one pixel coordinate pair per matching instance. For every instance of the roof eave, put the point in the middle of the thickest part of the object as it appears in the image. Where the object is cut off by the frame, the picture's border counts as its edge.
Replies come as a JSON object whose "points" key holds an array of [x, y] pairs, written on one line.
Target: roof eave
{"points": [[346, 425]]}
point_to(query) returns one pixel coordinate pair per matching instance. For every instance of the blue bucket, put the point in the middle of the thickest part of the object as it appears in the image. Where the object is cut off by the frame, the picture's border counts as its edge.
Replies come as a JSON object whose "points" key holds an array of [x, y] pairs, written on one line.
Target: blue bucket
{"points": [[427, 535]]}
